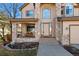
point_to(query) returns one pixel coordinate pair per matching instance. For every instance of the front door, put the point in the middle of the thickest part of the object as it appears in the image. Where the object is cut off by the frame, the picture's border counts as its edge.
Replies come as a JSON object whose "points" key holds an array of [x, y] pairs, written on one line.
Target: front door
{"points": [[46, 29]]}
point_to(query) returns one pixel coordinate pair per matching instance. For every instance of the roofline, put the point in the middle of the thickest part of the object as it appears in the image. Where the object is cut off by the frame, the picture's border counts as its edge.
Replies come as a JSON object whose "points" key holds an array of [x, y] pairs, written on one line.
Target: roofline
{"points": [[24, 20], [73, 18], [25, 4]]}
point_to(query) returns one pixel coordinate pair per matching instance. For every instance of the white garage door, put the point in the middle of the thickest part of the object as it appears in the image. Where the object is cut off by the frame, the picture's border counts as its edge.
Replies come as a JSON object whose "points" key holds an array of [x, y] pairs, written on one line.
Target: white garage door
{"points": [[74, 34]]}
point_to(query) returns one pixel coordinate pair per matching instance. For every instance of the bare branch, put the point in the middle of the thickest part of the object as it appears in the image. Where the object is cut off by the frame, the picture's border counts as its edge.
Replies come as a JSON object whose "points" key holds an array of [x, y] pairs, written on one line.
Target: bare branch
{"points": [[9, 12]]}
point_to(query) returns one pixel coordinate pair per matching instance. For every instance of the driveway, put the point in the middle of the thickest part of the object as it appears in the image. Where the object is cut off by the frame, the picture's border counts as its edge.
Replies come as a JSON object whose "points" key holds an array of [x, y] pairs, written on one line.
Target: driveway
{"points": [[50, 47]]}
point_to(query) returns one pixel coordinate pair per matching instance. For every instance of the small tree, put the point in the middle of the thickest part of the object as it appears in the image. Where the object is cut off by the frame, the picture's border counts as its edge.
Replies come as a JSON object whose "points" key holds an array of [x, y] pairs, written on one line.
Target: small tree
{"points": [[3, 22], [11, 9]]}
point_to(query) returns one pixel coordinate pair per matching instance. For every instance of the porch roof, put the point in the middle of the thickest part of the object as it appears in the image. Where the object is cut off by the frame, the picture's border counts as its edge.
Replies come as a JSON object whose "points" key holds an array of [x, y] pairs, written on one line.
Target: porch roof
{"points": [[73, 18], [24, 20], [76, 5]]}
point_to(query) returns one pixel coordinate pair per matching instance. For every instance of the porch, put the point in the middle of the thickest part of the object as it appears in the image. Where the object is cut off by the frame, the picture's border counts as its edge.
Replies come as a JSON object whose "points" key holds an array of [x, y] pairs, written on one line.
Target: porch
{"points": [[24, 30]]}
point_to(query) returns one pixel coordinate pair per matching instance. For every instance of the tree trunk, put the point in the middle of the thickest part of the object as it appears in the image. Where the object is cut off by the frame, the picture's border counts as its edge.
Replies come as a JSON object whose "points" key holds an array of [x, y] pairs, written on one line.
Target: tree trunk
{"points": [[3, 36]]}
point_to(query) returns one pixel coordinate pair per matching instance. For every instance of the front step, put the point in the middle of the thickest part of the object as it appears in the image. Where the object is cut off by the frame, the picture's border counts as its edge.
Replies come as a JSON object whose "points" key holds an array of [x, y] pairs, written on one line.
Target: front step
{"points": [[47, 37], [46, 40]]}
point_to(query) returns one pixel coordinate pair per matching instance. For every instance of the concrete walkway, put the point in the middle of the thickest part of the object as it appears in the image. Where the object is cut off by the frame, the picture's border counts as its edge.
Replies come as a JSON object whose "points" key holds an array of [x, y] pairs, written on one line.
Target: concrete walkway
{"points": [[50, 47]]}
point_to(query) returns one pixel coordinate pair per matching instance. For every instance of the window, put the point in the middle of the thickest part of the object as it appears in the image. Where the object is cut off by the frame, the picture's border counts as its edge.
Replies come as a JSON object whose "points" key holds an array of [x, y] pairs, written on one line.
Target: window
{"points": [[30, 28], [30, 13], [30, 31], [46, 14], [69, 10], [25, 30]]}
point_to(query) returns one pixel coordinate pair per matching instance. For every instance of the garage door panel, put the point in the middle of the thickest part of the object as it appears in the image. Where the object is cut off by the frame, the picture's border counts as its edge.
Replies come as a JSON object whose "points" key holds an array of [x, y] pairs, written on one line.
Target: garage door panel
{"points": [[74, 34]]}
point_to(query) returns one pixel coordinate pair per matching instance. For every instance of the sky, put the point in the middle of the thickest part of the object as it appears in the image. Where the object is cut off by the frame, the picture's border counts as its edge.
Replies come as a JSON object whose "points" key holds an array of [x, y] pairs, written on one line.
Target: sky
{"points": [[9, 6]]}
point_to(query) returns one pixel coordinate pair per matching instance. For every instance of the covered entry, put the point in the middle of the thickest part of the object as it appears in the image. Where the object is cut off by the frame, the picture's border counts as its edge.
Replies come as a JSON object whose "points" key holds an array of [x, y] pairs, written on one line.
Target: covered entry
{"points": [[46, 29], [74, 34], [24, 30]]}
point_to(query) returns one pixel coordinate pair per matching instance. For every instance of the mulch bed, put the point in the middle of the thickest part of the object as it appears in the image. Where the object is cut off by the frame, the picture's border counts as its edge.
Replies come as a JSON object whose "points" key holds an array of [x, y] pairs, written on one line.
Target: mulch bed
{"points": [[24, 45], [15, 52], [74, 51]]}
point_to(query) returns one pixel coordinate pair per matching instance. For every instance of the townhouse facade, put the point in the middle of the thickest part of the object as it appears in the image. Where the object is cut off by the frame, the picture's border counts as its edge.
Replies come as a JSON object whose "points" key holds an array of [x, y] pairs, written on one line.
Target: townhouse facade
{"points": [[47, 20]]}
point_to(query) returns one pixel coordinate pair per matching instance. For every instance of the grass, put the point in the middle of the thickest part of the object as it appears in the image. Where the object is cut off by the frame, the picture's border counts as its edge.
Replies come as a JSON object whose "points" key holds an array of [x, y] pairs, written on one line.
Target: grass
{"points": [[5, 52]]}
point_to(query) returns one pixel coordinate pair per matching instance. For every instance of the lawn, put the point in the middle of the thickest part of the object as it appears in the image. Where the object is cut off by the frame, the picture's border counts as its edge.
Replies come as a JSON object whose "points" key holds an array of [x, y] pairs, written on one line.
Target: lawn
{"points": [[5, 52]]}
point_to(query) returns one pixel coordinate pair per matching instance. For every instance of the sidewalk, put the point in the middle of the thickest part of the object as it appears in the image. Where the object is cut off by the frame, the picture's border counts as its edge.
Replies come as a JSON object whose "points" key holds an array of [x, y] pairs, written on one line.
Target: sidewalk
{"points": [[50, 47]]}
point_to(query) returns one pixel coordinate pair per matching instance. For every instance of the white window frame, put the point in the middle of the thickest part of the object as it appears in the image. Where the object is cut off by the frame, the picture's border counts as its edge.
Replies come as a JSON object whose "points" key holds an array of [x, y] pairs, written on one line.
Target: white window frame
{"points": [[68, 15], [32, 15], [50, 13]]}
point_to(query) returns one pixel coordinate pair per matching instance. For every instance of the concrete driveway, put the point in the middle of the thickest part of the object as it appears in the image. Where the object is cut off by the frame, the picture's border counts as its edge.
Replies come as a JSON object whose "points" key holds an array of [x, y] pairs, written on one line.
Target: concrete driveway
{"points": [[50, 47]]}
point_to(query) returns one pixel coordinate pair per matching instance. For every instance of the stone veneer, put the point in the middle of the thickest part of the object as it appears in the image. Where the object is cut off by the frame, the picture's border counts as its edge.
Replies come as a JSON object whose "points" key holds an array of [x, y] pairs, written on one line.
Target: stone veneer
{"points": [[15, 39]]}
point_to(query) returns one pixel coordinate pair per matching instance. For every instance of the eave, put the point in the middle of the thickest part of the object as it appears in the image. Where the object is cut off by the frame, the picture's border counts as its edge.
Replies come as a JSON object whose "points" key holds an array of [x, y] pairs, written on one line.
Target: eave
{"points": [[24, 20], [73, 18], [76, 5], [25, 4]]}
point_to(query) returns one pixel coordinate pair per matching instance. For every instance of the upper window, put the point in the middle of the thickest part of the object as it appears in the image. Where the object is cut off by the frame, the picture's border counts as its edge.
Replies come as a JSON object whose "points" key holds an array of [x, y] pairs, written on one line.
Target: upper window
{"points": [[30, 13], [69, 10], [46, 14]]}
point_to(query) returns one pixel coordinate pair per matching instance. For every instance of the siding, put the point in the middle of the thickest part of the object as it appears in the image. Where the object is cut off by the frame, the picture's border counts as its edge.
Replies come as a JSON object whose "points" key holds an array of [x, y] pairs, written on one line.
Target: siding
{"points": [[76, 11], [28, 7]]}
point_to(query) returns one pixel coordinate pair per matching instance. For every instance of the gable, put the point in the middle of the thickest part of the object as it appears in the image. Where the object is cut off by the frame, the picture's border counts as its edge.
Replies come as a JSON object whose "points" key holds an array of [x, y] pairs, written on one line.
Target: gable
{"points": [[27, 6]]}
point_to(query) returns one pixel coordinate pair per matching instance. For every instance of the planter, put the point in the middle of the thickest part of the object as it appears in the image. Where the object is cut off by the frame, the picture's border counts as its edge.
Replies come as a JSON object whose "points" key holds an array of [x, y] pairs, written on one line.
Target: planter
{"points": [[22, 46], [72, 50]]}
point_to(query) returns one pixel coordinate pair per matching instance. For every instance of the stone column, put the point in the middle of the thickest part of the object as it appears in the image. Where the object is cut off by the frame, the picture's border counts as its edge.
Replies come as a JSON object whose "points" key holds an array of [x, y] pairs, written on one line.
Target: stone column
{"points": [[37, 16], [58, 9], [14, 34], [24, 29], [37, 10]]}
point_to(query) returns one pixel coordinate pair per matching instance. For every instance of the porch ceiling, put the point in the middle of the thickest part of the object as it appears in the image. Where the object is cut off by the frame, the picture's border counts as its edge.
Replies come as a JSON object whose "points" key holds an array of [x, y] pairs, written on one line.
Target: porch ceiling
{"points": [[24, 20], [74, 18]]}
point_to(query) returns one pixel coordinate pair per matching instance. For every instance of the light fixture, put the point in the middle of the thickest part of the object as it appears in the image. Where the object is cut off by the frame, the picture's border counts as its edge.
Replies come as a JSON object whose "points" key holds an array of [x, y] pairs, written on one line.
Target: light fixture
{"points": [[19, 25], [75, 4]]}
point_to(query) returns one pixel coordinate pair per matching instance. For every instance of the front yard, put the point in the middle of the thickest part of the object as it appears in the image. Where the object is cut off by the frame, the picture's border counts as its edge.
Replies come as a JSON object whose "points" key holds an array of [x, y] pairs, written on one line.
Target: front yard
{"points": [[5, 52]]}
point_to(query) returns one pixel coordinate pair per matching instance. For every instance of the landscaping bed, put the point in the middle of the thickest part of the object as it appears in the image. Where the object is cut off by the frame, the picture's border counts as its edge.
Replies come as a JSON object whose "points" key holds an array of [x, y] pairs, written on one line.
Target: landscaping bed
{"points": [[72, 50], [24, 45], [5, 52], [20, 49]]}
